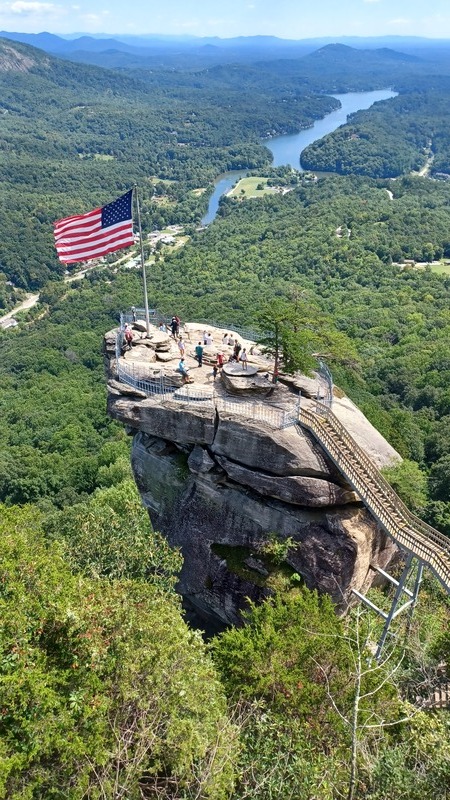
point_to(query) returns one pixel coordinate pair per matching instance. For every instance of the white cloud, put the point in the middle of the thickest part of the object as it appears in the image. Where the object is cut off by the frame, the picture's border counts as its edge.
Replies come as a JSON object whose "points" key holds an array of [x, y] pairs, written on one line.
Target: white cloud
{"points": [[91, 17], [27, 7], [399, 21]]}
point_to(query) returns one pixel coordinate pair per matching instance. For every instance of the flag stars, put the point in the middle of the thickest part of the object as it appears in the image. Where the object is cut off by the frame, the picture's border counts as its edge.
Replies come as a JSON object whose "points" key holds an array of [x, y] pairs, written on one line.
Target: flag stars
{"points": [[117, 211]]}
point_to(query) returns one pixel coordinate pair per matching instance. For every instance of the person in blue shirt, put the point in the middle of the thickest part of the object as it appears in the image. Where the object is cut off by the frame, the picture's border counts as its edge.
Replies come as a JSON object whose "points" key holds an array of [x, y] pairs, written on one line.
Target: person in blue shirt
{"points": [[183, 369]]}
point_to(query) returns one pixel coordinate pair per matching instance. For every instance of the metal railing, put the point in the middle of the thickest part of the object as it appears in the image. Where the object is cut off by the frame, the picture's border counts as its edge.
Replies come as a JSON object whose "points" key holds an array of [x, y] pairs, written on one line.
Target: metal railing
{"points": [[161, 387], [156, 316], [409, 531]]}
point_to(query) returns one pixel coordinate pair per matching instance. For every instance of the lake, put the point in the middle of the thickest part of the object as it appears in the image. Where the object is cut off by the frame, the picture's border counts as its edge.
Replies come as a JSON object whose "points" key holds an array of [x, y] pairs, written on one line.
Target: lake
{"points": [[286, 149]]}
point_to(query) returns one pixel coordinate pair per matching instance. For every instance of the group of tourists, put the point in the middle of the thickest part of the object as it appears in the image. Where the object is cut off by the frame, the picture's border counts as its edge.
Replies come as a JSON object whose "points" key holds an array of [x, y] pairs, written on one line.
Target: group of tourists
{"points": [[239, 354]]}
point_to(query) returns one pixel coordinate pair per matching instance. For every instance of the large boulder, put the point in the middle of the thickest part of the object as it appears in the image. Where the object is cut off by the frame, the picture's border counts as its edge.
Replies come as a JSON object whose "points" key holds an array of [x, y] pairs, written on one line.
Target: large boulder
{"points": [[187, 424], [220, 524], [281, 452], [300, 491], [221, 477], [250, 385]]}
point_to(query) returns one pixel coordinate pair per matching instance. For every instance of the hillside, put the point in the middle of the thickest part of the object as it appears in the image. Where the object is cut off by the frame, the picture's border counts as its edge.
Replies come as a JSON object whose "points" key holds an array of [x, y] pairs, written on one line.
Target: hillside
{"points": [[73, 136]]}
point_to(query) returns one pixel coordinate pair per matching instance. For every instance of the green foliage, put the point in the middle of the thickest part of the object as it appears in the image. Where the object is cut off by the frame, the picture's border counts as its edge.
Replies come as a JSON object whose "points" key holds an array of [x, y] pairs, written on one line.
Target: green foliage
{"points": [[60, 445], [110, 536], [440, 478], [102, 684], [278, 760], [276, 549], [275, 656], [418, 768], [409, 482]]}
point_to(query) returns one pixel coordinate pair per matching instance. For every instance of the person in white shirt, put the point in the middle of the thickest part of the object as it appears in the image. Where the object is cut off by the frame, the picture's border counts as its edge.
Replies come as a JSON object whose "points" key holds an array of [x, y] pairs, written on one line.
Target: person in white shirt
{"points": [[181, 346]]}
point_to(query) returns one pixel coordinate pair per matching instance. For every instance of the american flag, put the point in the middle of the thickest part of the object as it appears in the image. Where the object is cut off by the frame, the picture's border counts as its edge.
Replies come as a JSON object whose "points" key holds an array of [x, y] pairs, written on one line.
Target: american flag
{"points": [[91, 235]]}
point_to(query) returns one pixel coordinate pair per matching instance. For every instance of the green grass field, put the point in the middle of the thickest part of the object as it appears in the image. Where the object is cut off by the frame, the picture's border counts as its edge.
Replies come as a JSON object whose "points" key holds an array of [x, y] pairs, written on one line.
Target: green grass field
{"points": [[247, 187], [441, 269]]}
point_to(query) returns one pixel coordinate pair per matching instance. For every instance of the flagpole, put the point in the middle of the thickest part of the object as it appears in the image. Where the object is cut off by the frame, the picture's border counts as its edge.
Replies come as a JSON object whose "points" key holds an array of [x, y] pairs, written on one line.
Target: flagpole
{"points": [[144, 279]]}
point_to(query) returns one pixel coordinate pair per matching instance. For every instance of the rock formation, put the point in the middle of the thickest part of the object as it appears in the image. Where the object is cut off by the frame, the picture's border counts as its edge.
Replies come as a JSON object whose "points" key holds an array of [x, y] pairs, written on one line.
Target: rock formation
{"points": [[230, 488]]}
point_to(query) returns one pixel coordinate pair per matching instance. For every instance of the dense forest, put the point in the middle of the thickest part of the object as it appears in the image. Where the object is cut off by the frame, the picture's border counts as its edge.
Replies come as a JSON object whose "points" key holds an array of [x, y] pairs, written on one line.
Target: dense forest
{"points": [[106, 692]]}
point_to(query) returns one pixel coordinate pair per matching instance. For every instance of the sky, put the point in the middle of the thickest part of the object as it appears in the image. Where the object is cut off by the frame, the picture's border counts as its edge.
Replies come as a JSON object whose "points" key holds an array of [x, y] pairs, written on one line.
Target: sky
{"points": [[287, 19]]}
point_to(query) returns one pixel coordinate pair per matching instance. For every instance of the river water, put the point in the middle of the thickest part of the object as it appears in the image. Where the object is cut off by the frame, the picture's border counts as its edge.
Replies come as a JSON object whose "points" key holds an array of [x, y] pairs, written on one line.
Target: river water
{"points": [[286, 149]]}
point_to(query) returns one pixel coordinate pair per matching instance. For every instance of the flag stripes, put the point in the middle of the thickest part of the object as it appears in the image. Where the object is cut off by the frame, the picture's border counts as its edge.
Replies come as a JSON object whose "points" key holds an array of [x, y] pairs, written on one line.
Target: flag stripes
{"points": [[104, 230]]}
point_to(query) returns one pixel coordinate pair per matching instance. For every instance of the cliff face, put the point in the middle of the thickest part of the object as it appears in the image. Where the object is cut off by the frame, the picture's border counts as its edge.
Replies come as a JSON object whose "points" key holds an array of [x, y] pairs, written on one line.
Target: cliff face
{"points": [[229, 491]]}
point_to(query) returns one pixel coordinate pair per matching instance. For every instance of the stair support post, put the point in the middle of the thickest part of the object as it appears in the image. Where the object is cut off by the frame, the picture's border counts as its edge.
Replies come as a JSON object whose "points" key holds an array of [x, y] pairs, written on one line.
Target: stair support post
{"points": [[401, 589]]}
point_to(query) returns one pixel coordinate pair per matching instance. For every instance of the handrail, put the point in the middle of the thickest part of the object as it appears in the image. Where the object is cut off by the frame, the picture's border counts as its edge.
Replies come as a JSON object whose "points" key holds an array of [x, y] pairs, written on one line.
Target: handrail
{"points": [[381, 480], [408, 530], [162, 390]]}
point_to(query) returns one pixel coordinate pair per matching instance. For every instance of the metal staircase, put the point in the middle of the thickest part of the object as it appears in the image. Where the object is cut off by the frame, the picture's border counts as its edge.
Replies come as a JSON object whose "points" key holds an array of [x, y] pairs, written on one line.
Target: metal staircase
{"points": [[422, 543]]}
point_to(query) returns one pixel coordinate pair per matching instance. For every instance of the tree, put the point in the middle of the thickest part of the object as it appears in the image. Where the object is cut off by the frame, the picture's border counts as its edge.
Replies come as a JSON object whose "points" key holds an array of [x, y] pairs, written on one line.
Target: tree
{"points": [[296, 334], [110, 535], [104, 689], [285, 338], [408, 480]]}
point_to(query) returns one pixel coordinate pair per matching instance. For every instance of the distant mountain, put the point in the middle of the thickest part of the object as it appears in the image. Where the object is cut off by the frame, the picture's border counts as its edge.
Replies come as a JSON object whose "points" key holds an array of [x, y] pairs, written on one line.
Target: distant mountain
{"points": [[341, 54], [58, 45], [193, 53], [45, 41]]}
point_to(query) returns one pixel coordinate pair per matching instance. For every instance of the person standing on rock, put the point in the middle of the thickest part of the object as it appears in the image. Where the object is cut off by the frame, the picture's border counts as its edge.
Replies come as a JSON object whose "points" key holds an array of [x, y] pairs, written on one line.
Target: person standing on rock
{"points": [[244, 359], [220, 360], [181, 346], [199, 354], [128, 335], [236, 349], [174, 327]]}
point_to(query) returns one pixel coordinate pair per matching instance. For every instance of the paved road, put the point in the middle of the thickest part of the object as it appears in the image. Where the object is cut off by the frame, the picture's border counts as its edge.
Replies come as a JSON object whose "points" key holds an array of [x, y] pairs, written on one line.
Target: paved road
{"points": [[32, 299], [29, 302]]}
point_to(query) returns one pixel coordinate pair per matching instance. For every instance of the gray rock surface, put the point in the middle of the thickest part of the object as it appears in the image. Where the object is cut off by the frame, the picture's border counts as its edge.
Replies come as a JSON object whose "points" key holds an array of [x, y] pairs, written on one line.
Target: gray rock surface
{"points": [[281, 452], [333, 547], [295, 489], [219, 483], [251, 385]]}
